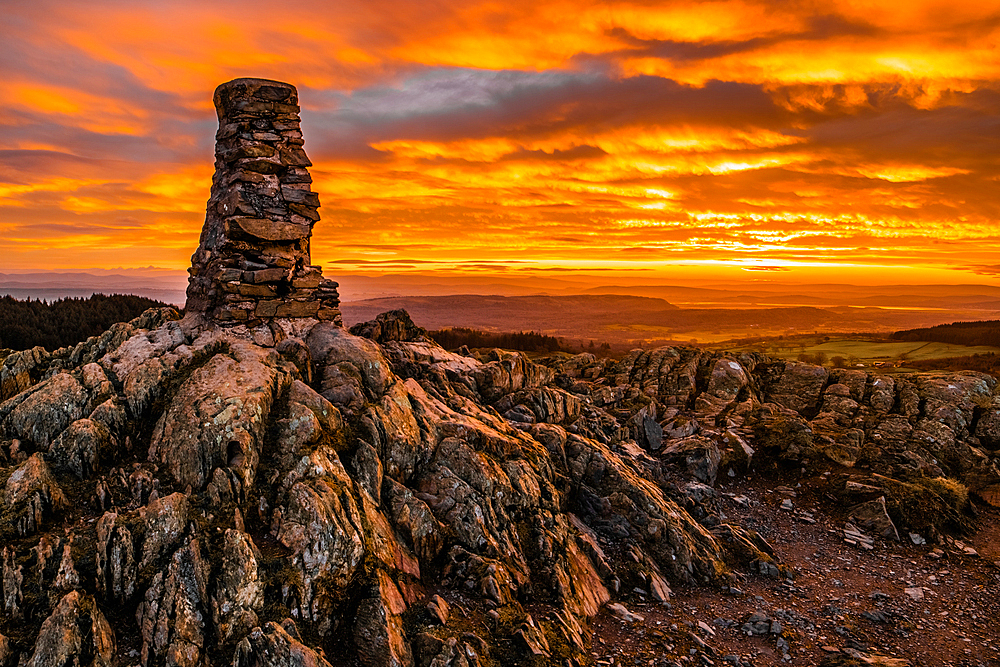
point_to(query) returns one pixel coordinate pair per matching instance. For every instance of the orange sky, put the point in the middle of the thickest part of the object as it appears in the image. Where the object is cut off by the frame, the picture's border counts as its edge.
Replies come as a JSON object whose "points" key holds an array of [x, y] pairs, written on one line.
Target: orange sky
{"points": [[849, 140]]}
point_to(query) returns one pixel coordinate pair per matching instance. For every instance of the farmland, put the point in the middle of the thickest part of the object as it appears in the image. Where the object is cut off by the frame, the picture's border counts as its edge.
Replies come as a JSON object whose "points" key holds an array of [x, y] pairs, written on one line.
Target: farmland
{"points": [[855, 350]]}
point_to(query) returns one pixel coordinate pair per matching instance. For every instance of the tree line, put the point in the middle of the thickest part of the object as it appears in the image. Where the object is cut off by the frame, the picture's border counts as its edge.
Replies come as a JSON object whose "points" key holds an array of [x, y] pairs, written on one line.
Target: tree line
{"points": [[531, 341], [983, 332], [25, 324]]}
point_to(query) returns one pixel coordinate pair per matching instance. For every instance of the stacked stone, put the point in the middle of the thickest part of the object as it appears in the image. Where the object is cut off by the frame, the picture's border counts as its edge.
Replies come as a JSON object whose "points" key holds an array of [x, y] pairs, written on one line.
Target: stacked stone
{"points": [[252, 262]]}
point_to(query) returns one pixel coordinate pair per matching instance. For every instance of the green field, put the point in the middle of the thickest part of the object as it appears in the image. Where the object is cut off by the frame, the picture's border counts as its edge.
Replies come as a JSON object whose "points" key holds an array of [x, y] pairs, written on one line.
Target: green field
{"points": [[855, 351]]}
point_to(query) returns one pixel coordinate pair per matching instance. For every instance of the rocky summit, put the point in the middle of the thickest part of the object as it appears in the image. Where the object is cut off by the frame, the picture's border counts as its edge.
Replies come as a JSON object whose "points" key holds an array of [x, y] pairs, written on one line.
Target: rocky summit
{"points": [[253, 485]]}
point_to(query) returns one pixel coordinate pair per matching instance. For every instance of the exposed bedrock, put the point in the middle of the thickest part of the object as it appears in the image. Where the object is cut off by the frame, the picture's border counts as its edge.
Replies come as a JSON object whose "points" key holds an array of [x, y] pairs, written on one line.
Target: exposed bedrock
{"points": [[239, 513]]}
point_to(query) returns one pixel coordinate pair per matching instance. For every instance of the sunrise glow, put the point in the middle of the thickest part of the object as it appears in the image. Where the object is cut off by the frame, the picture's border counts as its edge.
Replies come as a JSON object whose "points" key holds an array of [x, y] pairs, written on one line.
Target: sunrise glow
{"points": [[848, 139]]}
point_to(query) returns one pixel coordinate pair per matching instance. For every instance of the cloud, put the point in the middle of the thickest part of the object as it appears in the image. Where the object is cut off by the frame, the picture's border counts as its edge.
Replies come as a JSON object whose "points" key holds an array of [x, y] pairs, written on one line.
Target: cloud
{"points": [[985, 270]]}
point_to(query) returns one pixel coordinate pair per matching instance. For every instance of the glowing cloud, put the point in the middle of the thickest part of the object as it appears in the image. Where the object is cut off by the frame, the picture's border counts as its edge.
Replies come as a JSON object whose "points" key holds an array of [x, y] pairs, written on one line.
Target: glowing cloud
{"points": [[466, 135]]}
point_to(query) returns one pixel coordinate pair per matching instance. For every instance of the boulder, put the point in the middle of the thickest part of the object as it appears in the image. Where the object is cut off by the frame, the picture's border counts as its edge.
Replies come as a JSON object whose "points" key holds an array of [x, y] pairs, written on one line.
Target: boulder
{"points": [[218, 417], [532, 639], [321, 527], [988, 428], [164, 520], [298, 432], [146, 362], [46, 410], [367, 468], [736, 453], [415, 520], [172, 615], [394, 325], [297, 352], [700, 456], [620, 612], [874, 516], [33, 493], [439, 609], [81, 447], [328, 416], [331, 346], [395, 433], [618, 502], [74, 632], [727, 380], [467, 651], [273, 646], [579, 584], [67, 578], [512, 373], [13, 580], [17, 369], [30, 478], [116, 565], [382, 543], [798, 387]]}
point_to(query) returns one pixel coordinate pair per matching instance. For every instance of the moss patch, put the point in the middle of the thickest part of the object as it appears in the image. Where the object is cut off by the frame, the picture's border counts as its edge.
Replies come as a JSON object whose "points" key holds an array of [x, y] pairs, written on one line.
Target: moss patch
{"points": [[950, 490], [920, 509]]}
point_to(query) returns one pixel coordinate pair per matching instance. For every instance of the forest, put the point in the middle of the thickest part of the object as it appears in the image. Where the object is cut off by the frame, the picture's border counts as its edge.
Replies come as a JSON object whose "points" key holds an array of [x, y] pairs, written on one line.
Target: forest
{"points": [[25, 324], [532, 341], [453, 338], [985, 332]]}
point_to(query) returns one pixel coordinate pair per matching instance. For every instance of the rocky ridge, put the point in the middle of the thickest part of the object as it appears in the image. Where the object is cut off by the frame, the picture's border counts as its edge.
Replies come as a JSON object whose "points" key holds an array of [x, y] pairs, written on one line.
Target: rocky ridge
{"points": [[194, 497], [277, 490]]}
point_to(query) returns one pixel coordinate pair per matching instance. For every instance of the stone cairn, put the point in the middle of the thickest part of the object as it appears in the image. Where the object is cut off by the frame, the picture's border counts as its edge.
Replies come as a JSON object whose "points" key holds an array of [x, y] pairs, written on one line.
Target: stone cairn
{"points": [[252, 264]]}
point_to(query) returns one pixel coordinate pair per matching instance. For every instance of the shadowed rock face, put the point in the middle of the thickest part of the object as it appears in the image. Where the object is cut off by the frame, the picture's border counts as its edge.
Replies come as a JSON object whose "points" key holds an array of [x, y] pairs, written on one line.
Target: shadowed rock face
{"points": [[252, 262]]}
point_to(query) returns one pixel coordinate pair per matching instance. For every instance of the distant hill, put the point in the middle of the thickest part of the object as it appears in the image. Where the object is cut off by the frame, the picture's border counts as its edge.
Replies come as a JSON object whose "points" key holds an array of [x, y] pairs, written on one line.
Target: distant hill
{"points": [[625, 320], [567, 315], [159, 285], [947, 297], [25, 324], [985, 332]]}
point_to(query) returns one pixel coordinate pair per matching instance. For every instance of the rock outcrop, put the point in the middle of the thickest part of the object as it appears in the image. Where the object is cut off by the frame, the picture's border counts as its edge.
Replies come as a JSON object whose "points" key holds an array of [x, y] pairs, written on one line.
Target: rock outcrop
{"points": [[75, 633], [254, 485]]}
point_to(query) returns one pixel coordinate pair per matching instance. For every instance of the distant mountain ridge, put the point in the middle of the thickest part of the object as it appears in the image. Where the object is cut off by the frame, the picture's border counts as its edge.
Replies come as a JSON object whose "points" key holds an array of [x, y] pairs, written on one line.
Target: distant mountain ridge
{"points": [[54, 285], [975, 297], [170, 286], [506, 313], [632, 320]]}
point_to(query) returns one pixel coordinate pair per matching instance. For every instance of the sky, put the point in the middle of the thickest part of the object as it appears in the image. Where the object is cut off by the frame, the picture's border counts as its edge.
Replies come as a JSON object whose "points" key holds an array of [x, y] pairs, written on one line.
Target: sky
{"points": [[813, 141]]}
